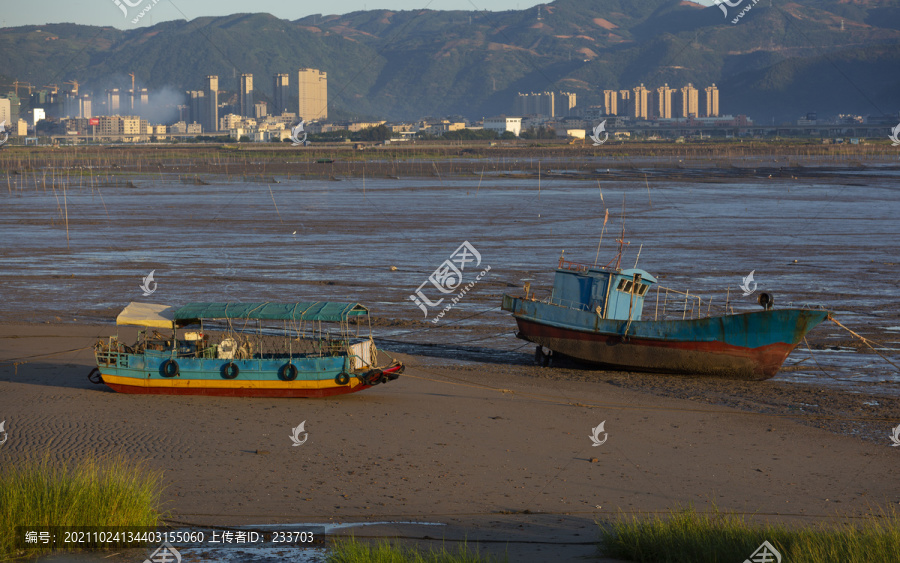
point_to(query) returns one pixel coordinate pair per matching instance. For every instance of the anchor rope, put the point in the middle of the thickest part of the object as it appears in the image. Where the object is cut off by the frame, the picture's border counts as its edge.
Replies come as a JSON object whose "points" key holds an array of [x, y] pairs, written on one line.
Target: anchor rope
{"points": [[866, 342]]}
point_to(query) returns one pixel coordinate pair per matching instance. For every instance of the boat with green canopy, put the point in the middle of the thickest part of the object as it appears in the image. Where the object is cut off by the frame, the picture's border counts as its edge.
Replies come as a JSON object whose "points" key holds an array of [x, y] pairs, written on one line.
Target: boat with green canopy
{"points": [[305, 349]]}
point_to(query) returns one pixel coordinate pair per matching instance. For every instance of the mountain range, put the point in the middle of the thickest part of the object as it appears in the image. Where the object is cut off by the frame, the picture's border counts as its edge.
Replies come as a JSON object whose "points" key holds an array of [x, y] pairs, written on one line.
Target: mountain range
{"points": [[779, 61]]}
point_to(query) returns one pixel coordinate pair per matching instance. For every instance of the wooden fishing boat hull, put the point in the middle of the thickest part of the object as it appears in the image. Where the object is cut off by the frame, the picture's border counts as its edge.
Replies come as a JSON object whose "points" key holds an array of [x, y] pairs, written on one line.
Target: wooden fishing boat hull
{"points": [[146, 375], [750, 346]]}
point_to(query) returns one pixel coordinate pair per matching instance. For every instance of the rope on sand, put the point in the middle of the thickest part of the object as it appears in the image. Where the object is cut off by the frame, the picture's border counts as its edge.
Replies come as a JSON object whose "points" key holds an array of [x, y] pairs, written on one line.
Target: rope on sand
{"points": [[866, 342], [19, 360]]}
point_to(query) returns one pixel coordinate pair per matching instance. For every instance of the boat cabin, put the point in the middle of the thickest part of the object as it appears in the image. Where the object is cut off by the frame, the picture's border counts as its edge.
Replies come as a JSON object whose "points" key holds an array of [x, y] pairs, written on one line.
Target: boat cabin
{"points": [[613, 294]]}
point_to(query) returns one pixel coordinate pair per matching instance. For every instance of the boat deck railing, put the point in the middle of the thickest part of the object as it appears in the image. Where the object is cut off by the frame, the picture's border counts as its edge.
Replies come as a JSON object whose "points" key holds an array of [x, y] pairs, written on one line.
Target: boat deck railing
{"points": [[583, 267], [668, 304]]}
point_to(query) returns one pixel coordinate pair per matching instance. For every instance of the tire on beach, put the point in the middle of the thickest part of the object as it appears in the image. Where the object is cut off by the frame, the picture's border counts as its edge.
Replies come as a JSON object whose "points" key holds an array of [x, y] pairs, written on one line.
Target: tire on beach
{"points": [[95, 376], [288, 372], [342, 378], [230, 370], [169, 368]]}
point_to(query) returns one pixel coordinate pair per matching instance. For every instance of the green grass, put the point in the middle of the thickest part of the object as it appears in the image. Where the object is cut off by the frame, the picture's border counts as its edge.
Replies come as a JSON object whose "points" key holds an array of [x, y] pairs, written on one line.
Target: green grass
{"points": [[352, 550], [93, 491], [688, 536]]}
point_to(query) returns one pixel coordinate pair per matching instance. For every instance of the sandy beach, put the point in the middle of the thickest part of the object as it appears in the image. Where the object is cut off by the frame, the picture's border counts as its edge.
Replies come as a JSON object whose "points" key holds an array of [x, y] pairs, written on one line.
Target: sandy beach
{"points": [[498, 453]]}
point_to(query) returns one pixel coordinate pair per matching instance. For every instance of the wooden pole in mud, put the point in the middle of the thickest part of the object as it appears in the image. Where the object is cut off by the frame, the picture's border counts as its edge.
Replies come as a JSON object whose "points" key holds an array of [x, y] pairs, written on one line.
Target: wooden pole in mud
{"points": [[66, 205]]}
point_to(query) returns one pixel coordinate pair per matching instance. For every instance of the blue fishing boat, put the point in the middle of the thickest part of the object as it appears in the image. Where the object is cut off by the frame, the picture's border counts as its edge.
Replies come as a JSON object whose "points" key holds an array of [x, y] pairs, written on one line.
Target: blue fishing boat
{"points": [[307, 349], [596, 314]]}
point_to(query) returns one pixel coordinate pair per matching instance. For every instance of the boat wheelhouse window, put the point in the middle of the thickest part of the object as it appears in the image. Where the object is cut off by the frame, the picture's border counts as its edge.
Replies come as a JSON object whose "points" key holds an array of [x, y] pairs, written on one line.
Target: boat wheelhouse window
{"points": [[628, 286]]}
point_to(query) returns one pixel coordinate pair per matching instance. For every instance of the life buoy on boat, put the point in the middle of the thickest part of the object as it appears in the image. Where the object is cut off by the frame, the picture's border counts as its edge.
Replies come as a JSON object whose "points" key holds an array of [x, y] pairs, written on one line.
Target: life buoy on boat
{"points": [[288, 372], [342, 378], [170, 368], [230, 370]]}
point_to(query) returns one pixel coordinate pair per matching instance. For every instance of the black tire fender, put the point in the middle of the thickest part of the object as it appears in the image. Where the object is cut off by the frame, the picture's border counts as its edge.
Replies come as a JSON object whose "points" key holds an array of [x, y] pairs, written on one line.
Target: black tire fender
{"points": [[170, 368], [342, 378], [288, 372], [230, 370]]}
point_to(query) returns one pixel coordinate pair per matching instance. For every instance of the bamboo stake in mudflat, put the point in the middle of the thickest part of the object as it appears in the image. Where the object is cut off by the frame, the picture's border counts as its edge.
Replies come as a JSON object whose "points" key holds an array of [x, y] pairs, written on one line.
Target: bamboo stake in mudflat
{"points": [[66, 205]]}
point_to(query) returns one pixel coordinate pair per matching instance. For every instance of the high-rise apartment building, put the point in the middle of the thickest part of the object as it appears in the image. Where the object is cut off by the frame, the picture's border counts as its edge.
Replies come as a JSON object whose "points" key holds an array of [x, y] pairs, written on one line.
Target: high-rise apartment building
{"points": [[85, 111], [712, 101], [112, 102], [246, 95], [642, 103], [611, 102], [542, 104], [625, 104], [211, 121], [5, 110], [143, 99], [664, 96], [690, 102], [564, 104], [312, 93], [197, 107], [280, 95]]}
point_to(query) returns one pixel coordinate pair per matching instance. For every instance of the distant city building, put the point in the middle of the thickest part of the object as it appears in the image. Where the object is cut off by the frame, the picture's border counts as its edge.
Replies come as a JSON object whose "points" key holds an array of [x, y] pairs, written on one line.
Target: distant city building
{"points": [[246, 95], [130, 127], [625, 104], [196, 103], [712, 101], [611, 102], [229, 121], [184, 113], [211, 123], [664, 96], [86, 109], [534, 104], [38, 115], [503, 124], [260, 109], [280, 94], [21, 128], [5, 110], [312, 94], [141, 100], [545, 104], [642, 103], [194, 129], [690, 102], [112, 102], [564, 104]]}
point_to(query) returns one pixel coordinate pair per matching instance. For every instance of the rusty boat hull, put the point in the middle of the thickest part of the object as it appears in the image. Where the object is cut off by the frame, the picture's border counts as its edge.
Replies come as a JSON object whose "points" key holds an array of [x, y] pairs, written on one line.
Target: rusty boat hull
{"points": [[750, 346]]}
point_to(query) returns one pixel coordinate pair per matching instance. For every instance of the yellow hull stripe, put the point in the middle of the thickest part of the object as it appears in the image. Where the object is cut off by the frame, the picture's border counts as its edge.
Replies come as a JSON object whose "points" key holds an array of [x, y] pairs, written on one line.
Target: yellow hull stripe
{"points": [[177, 382]]}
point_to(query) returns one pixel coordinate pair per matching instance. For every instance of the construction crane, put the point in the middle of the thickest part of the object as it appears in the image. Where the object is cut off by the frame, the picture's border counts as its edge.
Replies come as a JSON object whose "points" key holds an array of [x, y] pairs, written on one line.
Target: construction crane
{"points": [[53, 87], [16, 84], [74, 84]]}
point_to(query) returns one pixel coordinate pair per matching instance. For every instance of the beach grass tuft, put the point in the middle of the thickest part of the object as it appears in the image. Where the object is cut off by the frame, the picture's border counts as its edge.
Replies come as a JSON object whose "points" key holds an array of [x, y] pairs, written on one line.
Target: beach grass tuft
{"points": [[689, 536], [92, 491], [351, 550]]}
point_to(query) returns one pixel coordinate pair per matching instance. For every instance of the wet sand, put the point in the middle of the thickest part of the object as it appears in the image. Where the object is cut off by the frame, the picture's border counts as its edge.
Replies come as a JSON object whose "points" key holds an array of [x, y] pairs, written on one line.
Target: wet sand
{"points": [[495, 452]]}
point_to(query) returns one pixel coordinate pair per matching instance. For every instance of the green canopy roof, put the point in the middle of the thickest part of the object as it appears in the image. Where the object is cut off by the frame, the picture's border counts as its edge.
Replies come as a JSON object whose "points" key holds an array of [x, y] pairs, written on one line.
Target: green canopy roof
{"points": [[304, 311]]}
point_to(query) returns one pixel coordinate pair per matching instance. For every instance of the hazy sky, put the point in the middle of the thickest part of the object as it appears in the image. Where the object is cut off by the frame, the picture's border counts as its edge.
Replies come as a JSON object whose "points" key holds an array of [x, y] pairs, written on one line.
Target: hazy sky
{"points": [[109, 13]]}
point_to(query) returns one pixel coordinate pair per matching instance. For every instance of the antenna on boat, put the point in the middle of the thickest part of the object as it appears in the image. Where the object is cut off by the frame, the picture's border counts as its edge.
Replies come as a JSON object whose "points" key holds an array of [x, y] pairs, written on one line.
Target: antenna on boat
{"points": [[621, 239], [605, 219]]}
